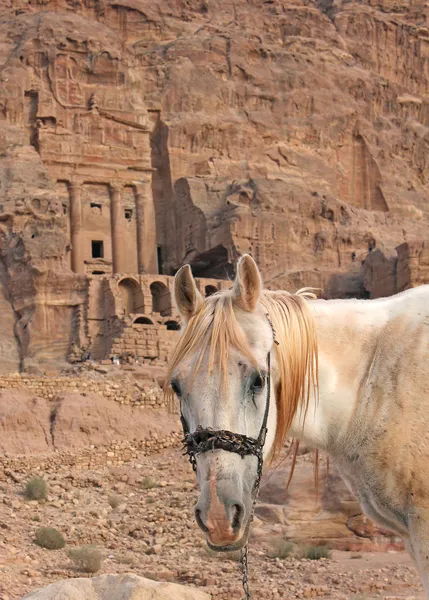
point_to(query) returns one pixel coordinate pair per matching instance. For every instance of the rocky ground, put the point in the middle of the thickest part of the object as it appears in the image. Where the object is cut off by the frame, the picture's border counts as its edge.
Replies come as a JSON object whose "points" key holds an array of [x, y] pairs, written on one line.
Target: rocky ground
{"points": [[152, 533]]}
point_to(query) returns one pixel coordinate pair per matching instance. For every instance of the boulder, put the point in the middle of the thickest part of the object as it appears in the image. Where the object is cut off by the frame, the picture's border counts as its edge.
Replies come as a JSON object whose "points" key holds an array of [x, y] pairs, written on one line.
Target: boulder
{"points": [[329, 516], [116, 587]]}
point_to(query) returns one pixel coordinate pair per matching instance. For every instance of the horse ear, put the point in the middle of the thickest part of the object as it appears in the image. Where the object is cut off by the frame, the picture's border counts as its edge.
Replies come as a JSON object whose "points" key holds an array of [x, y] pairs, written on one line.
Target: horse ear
{"points": [[248, 283], [187, 297]]}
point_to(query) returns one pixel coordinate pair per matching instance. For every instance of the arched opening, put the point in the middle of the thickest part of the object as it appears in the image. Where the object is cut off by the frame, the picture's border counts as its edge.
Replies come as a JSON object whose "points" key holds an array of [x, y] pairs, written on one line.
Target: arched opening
{"points": [[210, 290], [98, 273], [161, 298], [143, 321], [172, 325], [131, 296]]}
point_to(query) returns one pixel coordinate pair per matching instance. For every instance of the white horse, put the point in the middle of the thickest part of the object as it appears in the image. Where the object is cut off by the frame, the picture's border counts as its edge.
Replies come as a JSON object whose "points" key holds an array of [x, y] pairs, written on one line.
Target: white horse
{"points": [[350, 377]]}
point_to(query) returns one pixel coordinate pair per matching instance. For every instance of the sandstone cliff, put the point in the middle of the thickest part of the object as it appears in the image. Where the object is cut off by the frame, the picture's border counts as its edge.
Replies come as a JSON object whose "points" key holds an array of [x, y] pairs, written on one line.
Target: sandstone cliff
{"points": [[297, 131]]}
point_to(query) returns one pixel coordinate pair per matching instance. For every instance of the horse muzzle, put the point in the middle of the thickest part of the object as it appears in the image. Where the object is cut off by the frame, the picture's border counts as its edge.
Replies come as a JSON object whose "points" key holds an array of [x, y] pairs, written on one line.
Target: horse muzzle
{"points": [[223, 515], [229, 546]]}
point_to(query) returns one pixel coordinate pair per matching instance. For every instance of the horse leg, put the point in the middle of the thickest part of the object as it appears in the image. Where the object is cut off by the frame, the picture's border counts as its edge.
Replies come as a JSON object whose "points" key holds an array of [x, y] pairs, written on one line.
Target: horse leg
{"points": [[418, 543]]}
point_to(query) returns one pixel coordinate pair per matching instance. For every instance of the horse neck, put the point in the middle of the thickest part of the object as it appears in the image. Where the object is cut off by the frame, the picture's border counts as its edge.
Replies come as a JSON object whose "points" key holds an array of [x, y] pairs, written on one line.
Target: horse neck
{"points": [[347, 333]]}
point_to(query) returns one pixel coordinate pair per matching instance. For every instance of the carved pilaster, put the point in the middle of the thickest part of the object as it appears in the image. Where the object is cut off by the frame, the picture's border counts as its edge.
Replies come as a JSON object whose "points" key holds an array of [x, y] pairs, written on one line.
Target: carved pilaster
{"points": [[146, 228], [117, 228], [76, 239]]}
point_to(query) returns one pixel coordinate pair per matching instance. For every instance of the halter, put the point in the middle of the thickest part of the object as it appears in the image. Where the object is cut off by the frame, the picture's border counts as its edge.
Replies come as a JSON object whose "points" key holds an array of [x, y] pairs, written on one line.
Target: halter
{"points": [[206, 439]]}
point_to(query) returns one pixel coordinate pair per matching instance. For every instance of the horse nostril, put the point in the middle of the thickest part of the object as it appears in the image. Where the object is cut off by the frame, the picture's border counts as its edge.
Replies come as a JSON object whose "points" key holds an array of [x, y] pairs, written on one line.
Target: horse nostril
{"points": [[237, 511], [200, 521]]}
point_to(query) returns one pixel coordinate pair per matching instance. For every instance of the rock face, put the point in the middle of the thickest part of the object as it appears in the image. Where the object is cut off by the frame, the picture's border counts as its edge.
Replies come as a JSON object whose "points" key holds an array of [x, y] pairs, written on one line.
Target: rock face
{"points": [[294, 131], [37, 292], [328, 515], [389, 274], [24, 423], [72, 422], [116, 587], [79, 421]]}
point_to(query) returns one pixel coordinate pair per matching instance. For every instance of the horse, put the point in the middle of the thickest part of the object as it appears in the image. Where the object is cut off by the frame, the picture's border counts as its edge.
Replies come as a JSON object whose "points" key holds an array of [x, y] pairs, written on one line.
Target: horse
{"points": [[349, 378]]}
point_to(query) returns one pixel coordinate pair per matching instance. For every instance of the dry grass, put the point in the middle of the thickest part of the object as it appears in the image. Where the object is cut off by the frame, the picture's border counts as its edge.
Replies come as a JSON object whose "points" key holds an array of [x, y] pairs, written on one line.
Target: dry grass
{"points": [[49, 538], [114, 500], [313, 552], [87, 558], [36, 489], [281, 549], [148, 483]]}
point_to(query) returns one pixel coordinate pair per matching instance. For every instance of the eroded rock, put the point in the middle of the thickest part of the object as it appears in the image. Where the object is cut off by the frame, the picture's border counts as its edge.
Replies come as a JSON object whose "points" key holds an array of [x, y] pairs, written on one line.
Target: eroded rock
{"points": [[116, 587]]}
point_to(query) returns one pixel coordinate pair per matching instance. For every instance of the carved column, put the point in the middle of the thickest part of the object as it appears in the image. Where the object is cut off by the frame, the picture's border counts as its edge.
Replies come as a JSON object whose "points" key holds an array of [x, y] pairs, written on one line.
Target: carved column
{"points": [[76, 238], [146, 228], [117, 222]]}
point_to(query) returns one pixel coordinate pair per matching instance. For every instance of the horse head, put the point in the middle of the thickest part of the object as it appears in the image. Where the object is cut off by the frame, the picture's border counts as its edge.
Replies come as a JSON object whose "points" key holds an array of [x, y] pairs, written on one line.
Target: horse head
{"points": [[224, 372]]}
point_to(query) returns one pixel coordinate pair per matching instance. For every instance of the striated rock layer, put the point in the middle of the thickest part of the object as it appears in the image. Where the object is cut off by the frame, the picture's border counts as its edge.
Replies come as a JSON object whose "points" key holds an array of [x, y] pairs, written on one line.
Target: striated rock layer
{"points": [[294, 131]]}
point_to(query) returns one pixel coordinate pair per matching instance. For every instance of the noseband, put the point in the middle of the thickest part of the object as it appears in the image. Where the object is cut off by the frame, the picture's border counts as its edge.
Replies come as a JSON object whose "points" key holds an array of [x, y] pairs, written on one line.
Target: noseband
{"points": [[206, 439]]}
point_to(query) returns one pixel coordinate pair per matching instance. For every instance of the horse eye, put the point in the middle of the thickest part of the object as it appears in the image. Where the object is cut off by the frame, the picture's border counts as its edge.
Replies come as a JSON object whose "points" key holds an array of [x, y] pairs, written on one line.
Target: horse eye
{"points": [[258, 383], [176, 388]]}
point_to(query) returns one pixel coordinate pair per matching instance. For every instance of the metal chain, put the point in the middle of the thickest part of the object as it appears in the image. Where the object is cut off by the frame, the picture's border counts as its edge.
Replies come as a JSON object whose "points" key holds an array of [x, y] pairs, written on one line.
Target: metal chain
{"points": [[244, 559], [245, 570]]}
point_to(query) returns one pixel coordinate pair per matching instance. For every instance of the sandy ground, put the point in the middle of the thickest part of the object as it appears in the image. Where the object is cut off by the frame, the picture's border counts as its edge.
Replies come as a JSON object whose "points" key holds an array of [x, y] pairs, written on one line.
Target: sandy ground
{"points": [[152, 533]]}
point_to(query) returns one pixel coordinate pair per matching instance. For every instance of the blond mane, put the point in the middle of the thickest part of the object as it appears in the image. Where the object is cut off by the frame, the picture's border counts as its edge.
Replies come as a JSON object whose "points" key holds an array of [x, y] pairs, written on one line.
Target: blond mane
{"points": [[215, 329]]}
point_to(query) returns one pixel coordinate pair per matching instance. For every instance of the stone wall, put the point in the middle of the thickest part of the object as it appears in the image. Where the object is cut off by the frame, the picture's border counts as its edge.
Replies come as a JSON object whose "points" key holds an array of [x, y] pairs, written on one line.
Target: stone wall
{"points": [[120, 390], [114, 454], [134, 316], [148, 344]]}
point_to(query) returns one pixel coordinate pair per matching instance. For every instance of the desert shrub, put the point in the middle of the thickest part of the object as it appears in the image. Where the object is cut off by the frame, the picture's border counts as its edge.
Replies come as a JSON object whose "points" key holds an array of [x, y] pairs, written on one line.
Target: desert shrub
{"points": [[149, 483], [114, 500], [126, 559], [281, 549], [87, 558], [47, 537], [314, 552], [36, 489]]}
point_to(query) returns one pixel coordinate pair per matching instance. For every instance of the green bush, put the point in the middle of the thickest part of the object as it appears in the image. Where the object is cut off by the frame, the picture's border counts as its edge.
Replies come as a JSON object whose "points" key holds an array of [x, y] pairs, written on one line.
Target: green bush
{"points": [[281, 549], [114, 500], [36, 489], [87, 558], [315, 552], [47, 537]]}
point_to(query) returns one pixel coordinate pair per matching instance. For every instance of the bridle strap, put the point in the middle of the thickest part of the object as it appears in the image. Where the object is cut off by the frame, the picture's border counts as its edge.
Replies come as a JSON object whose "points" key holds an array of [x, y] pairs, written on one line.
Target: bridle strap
{"points": [[263, 432]]}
